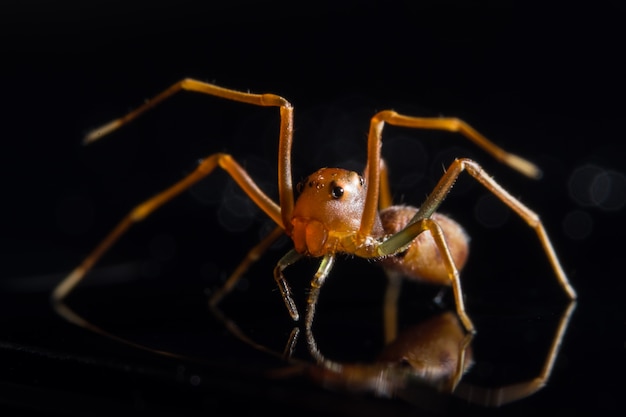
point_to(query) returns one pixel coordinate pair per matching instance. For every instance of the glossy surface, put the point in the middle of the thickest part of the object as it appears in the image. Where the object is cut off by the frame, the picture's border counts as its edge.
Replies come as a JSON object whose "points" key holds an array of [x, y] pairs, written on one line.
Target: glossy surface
{"points": [[547, 94]]}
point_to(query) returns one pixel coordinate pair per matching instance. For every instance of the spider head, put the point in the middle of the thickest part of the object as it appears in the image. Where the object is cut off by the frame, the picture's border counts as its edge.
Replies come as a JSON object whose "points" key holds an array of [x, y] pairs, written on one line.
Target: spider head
{"points": [[328, 208]]}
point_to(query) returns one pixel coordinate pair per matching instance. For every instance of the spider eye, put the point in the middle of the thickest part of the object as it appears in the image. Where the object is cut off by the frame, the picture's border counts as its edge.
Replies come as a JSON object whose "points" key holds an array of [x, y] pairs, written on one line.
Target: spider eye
{"points": [[300, 185], [361, 180], [336, 191]]}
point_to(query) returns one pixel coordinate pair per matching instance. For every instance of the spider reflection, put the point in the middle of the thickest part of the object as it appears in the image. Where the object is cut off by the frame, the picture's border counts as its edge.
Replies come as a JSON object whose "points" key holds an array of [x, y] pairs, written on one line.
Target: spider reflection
{"points": [[426, 358]]}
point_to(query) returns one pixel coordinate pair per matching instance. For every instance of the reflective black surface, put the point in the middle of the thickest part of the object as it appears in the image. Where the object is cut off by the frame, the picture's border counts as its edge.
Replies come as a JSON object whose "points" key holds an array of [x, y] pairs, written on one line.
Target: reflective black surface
{"points": [[540, 82]]}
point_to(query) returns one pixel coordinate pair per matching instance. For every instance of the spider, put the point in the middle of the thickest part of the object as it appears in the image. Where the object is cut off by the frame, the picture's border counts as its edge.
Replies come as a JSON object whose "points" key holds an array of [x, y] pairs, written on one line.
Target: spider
{"points": [[339, 211]]}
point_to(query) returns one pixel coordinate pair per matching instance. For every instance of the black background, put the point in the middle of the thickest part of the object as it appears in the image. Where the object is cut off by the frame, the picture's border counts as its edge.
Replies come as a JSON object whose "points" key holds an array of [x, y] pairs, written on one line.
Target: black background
{"points": [[544, 82]]}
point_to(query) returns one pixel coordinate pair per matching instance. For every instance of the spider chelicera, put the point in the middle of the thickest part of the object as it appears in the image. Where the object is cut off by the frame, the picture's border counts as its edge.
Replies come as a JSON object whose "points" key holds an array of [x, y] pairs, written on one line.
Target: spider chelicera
{"points": [[340, 211]]}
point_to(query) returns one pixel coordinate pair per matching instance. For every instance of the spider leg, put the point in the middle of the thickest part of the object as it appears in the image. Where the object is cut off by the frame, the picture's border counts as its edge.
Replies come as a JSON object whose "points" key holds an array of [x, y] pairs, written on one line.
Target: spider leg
{"points": [[289, 259], [316, 284], [451, 124], [375, 169], [385, 198], [442, 188], [403, 238], [390, 306], [285, 186], [252, 256], [144, 209], [394, 280]]}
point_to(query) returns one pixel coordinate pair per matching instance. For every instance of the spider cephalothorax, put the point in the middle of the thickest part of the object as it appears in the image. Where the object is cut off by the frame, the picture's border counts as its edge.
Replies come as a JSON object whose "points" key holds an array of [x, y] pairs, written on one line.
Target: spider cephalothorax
{"points": [[328, 211]]}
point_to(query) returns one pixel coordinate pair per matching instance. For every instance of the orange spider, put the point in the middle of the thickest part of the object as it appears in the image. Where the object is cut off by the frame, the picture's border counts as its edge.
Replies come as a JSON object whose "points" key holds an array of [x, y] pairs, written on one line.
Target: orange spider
{"points": [[339, 211]]}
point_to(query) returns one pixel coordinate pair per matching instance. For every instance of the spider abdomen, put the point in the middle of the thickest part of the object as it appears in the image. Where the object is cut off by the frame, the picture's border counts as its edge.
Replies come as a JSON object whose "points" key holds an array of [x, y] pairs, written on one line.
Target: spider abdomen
{"points": [[422, 260]]}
